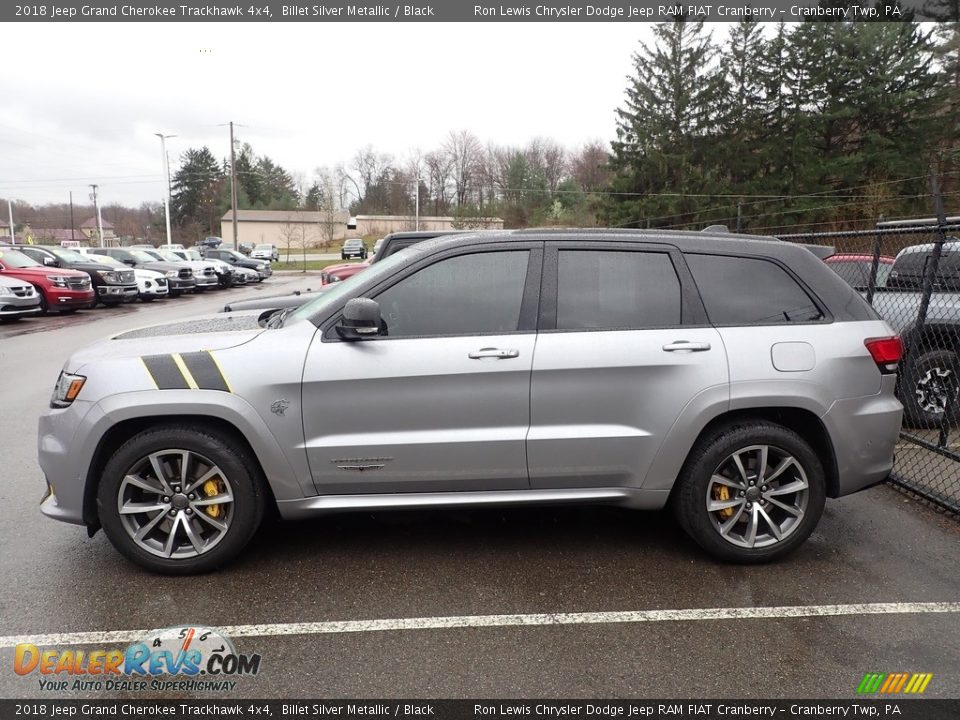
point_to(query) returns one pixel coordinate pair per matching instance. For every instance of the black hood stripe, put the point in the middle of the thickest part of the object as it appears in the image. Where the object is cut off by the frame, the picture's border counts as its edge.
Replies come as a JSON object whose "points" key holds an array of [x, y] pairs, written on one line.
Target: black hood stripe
{"points": [[165, 372], [205, 371]]}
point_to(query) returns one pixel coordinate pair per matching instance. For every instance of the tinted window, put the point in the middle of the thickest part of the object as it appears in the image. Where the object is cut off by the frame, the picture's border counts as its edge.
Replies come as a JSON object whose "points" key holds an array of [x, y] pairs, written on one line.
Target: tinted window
{"points": [[744, 291], [462, 295], [613, 289]]}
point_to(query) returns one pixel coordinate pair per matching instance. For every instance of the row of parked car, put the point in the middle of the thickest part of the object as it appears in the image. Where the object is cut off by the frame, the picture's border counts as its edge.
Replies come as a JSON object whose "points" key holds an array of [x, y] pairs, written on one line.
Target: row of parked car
{"points": [[37, 279]]}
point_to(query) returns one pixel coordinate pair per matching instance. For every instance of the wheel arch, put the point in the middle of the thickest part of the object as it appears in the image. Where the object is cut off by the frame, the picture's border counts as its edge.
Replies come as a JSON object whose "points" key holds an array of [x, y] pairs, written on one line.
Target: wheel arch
{"points": [[121, 431], [801, 421]]}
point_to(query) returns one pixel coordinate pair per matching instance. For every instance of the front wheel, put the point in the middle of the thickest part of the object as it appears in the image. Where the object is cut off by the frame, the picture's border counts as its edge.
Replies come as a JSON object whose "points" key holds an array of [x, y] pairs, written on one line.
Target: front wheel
{"points": [[180, 500], [750, 492]]}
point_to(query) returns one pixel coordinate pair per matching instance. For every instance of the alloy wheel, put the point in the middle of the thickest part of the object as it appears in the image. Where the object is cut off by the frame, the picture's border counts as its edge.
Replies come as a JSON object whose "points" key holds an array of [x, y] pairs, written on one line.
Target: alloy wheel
{"points": [[757, 496], [175, 504], [935, 390]]}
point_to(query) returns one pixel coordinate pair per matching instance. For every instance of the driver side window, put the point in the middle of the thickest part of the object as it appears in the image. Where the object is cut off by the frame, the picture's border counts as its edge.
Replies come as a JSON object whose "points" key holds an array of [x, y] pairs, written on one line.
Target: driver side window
{"points": [[463, 295]]}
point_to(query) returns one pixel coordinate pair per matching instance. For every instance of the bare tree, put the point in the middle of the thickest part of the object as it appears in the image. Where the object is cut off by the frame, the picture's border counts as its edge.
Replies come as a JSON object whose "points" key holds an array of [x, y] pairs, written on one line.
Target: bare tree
{"points": [[439, 171], [589, 166], [464, 152]]}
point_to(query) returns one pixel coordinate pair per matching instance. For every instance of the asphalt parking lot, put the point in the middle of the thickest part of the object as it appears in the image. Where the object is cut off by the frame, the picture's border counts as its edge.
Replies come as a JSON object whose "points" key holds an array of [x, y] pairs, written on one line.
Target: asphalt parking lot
{"points": [[447, 570]]}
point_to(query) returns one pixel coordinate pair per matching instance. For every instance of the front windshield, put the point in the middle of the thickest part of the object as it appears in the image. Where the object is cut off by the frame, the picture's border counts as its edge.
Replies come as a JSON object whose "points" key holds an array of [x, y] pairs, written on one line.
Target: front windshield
{"points": [[169, 255], [264, 247], [341, 289], [142, 256], [71, 256], [194, 255], [16, 259]]}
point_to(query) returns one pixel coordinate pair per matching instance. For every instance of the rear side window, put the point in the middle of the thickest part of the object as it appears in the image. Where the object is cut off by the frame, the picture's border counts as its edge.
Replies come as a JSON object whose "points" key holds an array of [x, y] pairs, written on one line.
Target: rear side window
{"points": [[615, 289], [749, 291]]}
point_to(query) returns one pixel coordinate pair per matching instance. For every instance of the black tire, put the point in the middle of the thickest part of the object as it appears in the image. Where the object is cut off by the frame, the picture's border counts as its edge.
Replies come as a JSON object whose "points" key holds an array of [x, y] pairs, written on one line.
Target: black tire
{"points": [[709, 455], [44, 306], [342, 256], [237, 467], [929, 387]]}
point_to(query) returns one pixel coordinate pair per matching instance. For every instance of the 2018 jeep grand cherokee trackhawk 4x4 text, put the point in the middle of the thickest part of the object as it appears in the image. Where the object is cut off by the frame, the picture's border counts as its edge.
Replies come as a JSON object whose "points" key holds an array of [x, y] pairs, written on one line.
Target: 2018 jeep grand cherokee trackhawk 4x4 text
{"points": [[739, 380]]}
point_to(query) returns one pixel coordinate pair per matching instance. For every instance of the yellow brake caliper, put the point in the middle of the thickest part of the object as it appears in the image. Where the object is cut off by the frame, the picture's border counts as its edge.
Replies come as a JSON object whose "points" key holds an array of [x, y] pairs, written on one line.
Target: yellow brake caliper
{"points": [[212, 488], [721, 493]]}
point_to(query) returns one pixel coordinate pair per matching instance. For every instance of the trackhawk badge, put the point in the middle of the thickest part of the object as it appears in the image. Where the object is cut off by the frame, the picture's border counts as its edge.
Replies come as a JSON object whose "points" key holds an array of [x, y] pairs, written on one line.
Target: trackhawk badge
{"points": [[279, 406], [361, 464]]}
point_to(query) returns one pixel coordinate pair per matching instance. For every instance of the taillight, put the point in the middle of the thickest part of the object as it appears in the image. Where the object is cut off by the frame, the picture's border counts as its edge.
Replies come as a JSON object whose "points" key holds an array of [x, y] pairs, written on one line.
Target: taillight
{"points": [[887, 352]]}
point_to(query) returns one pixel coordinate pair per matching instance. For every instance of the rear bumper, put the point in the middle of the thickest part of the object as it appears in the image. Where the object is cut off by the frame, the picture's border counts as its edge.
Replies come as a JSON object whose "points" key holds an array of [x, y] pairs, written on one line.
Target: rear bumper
{"points": [[864, 431]]}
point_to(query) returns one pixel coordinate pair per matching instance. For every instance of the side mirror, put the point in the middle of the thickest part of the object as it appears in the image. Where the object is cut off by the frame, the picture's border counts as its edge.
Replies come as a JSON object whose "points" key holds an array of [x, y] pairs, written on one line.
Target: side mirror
{"points": [[49, 262], [361, 319], [130, 262]]}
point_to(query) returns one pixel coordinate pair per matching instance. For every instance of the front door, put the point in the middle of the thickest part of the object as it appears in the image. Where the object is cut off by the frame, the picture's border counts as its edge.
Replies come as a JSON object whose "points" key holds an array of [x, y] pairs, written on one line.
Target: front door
{"points": [[441, 402]]}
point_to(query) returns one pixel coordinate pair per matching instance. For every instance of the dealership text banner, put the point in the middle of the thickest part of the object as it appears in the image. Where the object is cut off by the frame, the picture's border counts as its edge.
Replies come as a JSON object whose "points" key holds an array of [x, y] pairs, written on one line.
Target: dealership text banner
{"points": [[455, 11]]}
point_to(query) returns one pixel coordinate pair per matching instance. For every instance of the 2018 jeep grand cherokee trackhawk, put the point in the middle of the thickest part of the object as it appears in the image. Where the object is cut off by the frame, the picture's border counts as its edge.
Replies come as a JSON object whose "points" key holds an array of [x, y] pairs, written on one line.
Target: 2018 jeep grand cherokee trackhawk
{"points": [[739, 380]]}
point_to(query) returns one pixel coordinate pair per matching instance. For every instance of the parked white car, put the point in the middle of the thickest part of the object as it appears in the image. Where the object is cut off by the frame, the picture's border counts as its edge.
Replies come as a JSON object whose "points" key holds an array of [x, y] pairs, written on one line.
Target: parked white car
{"points": [[150, 283], [204, 271], [265, 252]]}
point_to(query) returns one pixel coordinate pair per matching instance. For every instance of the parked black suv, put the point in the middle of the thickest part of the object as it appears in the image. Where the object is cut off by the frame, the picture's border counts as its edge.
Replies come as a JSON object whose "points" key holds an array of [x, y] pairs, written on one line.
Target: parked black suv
{"points": [[179, 279], [112, 286]]}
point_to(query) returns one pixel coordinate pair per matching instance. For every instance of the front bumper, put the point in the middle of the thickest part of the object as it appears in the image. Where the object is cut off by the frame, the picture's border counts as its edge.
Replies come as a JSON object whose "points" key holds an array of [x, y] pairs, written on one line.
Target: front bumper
{"points": [[13, 306], [206, 281], [117, 293], [864, 432], [63, 469], [181, 284], [60, 297]]}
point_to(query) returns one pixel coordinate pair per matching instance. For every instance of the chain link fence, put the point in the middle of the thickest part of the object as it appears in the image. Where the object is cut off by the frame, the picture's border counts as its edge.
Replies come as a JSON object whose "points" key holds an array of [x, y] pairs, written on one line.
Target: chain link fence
{"points": [[910, 274]]}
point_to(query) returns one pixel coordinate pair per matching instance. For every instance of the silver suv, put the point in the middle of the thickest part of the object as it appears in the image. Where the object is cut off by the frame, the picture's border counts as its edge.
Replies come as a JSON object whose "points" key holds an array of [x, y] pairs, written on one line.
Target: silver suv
{"points": [[738, 380]]}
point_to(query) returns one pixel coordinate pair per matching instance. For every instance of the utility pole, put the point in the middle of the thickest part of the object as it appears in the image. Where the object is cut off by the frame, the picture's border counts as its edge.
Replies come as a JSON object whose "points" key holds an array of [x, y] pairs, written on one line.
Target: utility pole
{"points": [[13, 236], [166, 175], [416, 192], [233, 186], [72, 223], [96, 207]]}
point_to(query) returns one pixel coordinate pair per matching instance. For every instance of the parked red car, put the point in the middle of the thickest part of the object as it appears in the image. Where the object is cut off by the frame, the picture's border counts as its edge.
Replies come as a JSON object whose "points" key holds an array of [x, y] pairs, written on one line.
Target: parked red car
{"points": [[60, 289], [855, 268], [338, 273]]}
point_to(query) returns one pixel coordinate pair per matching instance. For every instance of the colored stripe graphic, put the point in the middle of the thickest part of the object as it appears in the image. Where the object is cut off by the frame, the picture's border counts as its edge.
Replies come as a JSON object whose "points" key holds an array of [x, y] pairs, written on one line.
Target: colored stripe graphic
{"points": [[205, 371], [194, 371], [894, 683], [165, 372]]}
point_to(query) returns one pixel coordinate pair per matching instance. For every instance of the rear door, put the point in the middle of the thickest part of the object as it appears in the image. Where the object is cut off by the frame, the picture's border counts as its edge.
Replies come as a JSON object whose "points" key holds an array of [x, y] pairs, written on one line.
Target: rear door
{"points": [[623, 348]]}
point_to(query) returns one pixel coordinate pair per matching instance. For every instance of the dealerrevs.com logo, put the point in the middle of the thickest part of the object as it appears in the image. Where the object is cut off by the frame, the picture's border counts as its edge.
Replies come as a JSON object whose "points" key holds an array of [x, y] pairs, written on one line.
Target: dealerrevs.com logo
{"points": [[187, 659]]}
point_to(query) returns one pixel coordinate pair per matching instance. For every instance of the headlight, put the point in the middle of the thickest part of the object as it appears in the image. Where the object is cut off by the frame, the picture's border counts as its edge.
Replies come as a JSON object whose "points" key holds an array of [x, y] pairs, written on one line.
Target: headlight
{"points": [[58, 281], [4, 290], [260, 266], [66, 390], [108, 275], [172, 273]]}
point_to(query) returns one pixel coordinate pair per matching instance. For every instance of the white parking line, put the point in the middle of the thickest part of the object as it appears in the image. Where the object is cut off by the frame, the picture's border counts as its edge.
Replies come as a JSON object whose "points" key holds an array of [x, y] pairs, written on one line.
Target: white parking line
{"points": [[480, 621]]}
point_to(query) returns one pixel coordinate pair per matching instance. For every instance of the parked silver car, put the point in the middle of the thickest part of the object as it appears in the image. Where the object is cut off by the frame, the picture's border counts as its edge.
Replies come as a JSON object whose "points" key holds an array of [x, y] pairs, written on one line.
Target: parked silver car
{"points": [[738, 380], [18, 299]]}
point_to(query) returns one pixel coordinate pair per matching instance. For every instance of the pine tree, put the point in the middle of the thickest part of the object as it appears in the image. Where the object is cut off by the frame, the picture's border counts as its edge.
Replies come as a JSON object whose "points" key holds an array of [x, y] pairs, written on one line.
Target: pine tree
{"points": [[671, 107], [195, 188]]}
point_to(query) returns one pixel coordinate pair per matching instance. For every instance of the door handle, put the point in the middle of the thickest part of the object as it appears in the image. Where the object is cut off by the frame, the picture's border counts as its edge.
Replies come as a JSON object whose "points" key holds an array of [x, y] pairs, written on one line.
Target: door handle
{"points": [[498, 353], [686, 346]]}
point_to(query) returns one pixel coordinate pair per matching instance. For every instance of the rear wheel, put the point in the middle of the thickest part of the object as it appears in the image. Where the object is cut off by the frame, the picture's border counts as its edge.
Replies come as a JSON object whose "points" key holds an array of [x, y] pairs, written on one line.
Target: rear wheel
{"points": [[750, 492], [930, 388], [180, 500]]}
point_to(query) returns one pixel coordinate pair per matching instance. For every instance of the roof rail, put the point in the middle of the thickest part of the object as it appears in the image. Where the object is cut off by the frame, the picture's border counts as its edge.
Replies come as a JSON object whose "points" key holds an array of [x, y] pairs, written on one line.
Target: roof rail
{"points": [[716, 229]]}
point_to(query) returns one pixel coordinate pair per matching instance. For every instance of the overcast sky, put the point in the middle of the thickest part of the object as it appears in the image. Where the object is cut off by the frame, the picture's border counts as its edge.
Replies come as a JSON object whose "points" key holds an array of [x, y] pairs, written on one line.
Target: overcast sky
{"points": [[82, 102]]}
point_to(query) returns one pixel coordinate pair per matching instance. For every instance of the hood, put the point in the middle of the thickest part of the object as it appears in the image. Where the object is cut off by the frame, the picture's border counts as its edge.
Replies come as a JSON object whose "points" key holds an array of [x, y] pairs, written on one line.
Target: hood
{"points": [[44, 271], [142, 274], [162, 266], [205, 332]]}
